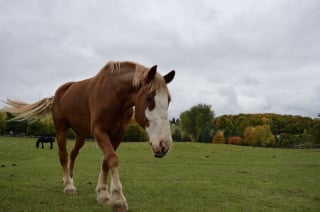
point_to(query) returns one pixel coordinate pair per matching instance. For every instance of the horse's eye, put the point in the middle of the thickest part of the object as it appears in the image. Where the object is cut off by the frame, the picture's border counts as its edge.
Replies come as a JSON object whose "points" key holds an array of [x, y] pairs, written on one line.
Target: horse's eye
{"points": [[150, 102], [149, 98]]}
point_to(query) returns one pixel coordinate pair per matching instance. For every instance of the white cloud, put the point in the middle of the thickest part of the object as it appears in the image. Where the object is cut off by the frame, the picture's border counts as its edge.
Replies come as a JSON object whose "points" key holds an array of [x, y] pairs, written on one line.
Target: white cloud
{"points": [[239, 56]]}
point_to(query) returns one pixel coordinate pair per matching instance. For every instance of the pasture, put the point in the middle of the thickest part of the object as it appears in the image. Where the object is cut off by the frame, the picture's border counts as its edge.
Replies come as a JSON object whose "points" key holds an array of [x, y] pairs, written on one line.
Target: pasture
{"points": [[192, 177]]}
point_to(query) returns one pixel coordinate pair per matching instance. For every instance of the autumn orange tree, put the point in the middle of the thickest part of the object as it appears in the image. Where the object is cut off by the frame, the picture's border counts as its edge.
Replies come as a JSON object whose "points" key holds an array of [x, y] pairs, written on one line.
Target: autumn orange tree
{"points": [[288, 129], [218, 138], [260, 135], [236, 140]]}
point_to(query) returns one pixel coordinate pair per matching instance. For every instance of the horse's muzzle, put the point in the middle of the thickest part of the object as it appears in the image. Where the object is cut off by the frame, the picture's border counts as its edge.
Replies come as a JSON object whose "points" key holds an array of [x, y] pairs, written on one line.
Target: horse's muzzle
{"points": [[160, 154], [160, 150]]}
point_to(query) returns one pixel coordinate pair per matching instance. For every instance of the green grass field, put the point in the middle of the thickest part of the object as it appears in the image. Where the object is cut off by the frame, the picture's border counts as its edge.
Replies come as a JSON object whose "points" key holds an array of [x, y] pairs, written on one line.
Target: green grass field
{"points": [[192, 177]]}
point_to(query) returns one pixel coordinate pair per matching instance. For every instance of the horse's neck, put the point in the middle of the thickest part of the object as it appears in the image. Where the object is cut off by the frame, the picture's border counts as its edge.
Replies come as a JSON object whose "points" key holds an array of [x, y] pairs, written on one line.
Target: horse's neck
{"points": [[125, 91], [129, 90]]}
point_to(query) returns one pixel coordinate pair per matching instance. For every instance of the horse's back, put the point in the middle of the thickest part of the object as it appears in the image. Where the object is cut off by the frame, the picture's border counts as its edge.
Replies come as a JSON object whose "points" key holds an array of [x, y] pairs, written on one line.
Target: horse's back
{"points": [[73, 91], [92, 102]]}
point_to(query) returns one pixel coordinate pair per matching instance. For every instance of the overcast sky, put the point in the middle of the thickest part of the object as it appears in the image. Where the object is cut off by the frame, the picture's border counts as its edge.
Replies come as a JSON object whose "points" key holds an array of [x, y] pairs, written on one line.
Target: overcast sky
{"points": [[247, 56]]}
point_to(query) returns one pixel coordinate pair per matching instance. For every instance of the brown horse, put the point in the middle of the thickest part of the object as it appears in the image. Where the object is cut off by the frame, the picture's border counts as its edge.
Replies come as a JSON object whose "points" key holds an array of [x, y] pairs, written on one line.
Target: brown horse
{"points": [[102, 106]]}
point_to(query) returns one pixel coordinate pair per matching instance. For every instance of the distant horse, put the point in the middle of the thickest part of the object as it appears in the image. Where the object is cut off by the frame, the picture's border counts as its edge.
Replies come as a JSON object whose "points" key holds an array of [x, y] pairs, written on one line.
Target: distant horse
{"points": [[45, 139], [102, 106]]}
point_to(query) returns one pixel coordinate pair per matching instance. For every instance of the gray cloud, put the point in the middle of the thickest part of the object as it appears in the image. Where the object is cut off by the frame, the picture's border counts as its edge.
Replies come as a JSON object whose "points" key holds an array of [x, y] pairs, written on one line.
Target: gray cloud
{"points": [[240, 57]]}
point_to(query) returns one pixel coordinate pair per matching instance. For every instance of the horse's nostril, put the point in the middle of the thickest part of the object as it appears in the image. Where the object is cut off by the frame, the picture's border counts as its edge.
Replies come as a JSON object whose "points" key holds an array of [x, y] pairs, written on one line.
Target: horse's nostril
{"points": [[163, 148], [159, 154]]}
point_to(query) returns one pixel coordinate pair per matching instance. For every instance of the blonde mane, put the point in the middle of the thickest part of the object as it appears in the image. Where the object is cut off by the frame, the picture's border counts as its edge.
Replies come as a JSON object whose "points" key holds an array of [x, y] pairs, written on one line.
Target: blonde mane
{"points": [[140, 75], [114, 66]]}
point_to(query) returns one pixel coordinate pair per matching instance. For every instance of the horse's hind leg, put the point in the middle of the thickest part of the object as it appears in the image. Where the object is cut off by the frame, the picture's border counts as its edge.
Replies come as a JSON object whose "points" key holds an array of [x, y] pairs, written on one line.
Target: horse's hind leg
{"points": [[69, 188], [79, 143]]}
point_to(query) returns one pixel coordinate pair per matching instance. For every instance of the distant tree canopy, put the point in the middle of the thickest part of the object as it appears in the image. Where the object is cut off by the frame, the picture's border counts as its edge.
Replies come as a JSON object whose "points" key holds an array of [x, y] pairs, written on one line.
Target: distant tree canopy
{"points": [[198, 122], [259, 135], [15, 127], [218, 138], [41, 127], [315, 132], [135, 133], [2, 122], [269, 129]]}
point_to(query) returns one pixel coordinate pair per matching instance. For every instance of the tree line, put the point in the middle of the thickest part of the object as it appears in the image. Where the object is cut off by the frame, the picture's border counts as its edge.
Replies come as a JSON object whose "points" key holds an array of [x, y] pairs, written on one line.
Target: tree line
{"points": [[45, 127], [199, 124]]}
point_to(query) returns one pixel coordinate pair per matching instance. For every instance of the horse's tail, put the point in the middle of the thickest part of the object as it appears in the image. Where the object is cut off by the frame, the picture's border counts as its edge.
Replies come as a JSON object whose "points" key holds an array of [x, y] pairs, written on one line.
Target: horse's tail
{"points": [[23, 111]]}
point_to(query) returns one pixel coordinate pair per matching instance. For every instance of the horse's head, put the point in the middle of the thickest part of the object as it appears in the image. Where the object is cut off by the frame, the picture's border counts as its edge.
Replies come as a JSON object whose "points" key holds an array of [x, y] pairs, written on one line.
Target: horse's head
{"points": [[151, 110]]}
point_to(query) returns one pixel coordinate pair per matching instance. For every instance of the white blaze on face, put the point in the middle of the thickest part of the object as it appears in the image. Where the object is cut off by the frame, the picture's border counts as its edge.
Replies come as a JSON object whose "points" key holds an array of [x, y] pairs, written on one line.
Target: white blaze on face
{"points": [[159, 127]]}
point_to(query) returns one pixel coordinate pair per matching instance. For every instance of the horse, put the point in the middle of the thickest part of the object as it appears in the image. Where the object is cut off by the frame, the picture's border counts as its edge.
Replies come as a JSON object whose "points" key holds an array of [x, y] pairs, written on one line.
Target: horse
{"points": [[45, 139], [102, 106]]}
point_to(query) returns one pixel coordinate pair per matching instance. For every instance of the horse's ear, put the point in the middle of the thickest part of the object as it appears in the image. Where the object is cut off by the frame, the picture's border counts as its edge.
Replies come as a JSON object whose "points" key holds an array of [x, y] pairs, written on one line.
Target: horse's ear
{"points": [[152, 72], [169, 77]]}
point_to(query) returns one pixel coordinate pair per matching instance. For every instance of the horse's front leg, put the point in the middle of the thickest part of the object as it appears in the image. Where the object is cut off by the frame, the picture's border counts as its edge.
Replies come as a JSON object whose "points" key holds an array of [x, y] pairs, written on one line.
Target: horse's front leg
{"points": [[118, 200], [110, 162], [103, 195]]}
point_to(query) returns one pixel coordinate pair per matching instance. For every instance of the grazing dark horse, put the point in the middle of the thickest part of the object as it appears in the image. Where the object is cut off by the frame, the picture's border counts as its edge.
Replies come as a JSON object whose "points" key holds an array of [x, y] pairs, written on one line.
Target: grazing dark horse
{"points": [[102, 106], [45, 139]]}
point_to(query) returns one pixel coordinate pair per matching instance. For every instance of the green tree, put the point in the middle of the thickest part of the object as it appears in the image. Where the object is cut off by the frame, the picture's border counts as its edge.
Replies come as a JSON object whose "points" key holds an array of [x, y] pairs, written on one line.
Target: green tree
{"points": [[49, 126], [176, 135], [2, 122], [198, 122], [15, 127], [135, 133], [224, 123], [36, 128], [288, 140], [315, 132], [241, 123]]}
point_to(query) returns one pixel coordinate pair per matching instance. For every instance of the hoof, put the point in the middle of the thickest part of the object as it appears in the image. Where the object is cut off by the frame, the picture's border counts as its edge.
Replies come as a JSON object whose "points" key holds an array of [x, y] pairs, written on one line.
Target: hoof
{"points": [[71, 190], [119, 209], [103, 197], [119, 205]]}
